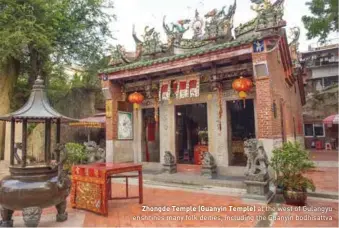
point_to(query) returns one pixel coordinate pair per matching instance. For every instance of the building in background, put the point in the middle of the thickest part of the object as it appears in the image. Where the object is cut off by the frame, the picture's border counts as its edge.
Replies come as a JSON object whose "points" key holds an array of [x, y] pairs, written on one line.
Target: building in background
{"points": [[320, 78]]}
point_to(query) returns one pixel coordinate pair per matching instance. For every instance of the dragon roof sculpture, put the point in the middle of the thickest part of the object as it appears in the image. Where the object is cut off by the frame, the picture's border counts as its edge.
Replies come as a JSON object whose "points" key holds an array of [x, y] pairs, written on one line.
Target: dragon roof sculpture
{"points": [[215, 27], [269, 18]]}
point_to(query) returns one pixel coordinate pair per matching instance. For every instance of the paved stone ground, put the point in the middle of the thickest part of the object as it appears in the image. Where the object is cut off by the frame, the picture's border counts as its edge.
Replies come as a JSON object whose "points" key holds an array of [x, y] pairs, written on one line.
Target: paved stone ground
{"points": [[123, 213], [325, 179], [324, 155]]}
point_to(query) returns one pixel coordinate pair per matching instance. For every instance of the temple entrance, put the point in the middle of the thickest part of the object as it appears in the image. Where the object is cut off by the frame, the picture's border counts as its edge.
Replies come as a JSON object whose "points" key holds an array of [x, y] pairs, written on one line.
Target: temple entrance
{"points": [[241, 126], [150, 137], [191, 133]]}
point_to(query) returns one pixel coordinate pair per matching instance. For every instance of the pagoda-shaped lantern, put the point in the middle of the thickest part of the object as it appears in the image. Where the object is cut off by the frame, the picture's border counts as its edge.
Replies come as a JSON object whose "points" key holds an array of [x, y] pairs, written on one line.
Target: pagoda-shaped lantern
{"points": [[32, 187]]}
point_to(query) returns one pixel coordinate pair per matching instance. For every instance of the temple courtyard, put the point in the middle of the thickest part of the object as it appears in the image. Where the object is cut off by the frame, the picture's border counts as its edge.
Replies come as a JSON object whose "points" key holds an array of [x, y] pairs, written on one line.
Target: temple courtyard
{"points": [[215, 205]]}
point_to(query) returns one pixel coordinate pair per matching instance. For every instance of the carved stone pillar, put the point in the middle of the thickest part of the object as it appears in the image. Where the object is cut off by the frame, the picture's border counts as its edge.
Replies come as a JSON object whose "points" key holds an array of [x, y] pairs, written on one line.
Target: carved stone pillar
{"points": [[208, 168], [169, 165]]}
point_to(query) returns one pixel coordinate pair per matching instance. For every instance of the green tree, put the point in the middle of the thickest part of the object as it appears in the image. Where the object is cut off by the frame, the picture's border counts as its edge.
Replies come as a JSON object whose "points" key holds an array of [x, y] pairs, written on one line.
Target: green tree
{"points": [[39, 37], [324, 19]]}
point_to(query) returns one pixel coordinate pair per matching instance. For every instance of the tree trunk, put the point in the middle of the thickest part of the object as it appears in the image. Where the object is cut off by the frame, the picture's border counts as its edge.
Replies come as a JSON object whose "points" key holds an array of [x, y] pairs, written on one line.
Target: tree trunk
{"points": [[34, 65], [8, 76]]}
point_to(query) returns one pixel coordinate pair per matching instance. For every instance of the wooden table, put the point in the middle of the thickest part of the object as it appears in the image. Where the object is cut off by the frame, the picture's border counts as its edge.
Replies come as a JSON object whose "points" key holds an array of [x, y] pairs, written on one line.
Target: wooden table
{"points": [[91, 185]]}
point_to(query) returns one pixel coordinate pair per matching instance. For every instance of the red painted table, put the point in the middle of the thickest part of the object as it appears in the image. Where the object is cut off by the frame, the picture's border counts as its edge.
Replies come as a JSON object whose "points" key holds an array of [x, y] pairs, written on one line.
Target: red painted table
{"points": [[91, 184]]}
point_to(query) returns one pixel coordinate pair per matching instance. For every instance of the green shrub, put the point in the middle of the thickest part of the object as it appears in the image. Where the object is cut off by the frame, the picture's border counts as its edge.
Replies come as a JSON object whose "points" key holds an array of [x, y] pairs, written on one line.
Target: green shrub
{"points": [[290, 162], [76, 154]]}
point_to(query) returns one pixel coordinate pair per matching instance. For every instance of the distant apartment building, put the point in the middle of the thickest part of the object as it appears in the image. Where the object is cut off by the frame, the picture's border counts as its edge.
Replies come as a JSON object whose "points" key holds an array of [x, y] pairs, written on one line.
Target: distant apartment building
{"points": [[321, 85]]}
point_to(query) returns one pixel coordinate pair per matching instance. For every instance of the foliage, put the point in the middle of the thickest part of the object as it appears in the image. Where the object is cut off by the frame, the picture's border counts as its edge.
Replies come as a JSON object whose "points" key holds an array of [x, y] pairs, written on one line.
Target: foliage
{"points": [[31, 127], [290, 162], [76, 154], [44, 36], [324, 19]]}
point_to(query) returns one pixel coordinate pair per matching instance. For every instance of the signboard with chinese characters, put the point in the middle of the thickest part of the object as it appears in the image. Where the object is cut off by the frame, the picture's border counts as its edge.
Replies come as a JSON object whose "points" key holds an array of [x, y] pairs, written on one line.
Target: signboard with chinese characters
{"points": [[109, 108]]}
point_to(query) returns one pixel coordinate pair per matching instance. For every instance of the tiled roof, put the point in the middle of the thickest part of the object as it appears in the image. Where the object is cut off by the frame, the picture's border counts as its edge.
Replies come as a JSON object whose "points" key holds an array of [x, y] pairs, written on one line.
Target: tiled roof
{"points": [[180, 56]]}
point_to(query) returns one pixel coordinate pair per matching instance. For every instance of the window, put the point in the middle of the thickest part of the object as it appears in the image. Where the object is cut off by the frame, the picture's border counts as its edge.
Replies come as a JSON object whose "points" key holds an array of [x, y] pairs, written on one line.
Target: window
{"points": [[308, 129], [330, 81], [314, 130], [318, 129], [261, 70]]}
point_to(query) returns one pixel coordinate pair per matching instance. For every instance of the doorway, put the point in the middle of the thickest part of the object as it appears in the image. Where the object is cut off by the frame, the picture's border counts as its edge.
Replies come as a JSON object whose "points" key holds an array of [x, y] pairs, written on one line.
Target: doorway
{"points": [[241, 126], [150, 137], [191, 133]]}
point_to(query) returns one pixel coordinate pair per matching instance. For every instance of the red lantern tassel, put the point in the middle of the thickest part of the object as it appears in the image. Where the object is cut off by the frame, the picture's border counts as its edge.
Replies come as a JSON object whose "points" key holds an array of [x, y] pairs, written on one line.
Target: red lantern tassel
{"points": [[244, 102]]}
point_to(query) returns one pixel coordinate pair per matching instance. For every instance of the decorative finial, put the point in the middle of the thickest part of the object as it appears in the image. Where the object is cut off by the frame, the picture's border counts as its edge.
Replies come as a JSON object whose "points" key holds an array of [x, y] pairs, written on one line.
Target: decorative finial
{"points": [[39, 82]]}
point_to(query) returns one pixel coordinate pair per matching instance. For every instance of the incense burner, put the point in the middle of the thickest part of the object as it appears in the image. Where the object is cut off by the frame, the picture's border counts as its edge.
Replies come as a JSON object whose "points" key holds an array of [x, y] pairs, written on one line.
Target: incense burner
{"points": [[32, 187]]}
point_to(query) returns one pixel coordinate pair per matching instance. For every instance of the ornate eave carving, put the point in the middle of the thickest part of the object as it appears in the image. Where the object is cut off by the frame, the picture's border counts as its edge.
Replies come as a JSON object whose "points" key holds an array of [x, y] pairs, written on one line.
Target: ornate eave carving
{"points": [[269, 18], [209, 30]]}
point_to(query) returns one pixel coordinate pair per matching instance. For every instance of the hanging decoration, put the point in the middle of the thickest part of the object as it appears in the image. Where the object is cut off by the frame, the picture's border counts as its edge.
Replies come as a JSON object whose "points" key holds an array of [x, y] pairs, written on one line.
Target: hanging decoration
{"points": [[155, 95], [242, 85], [219, 90], [123, 93], [136, 99], [156, 108]]}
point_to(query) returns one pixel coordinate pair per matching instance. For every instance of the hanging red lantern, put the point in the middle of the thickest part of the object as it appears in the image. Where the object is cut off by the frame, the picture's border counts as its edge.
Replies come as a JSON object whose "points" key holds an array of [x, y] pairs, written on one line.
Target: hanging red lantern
{"points": [[242, 85], [136, 98]]}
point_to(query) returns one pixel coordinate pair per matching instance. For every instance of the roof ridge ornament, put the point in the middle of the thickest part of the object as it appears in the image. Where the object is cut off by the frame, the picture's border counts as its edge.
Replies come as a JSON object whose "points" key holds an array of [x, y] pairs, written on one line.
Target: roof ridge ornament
{"points": [[39, 83]]}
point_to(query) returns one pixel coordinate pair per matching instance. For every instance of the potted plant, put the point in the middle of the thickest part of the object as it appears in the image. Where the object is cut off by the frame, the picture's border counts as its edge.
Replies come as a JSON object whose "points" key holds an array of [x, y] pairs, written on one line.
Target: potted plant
{"points": [[76, 154], [203, 136], [290, 162]]}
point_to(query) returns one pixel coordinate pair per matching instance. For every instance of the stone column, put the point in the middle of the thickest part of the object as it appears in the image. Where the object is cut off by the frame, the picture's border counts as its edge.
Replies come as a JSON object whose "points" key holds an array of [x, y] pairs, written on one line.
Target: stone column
{"points": [[137, 142], [112, 93], [217, 139], [167, 130]]}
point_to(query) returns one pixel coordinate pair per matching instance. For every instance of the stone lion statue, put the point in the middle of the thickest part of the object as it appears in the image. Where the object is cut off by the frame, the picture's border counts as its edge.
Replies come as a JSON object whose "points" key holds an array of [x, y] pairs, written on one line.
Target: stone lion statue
{"points": [[168, 158], [95, 153], [208, 159], [257, 161]]}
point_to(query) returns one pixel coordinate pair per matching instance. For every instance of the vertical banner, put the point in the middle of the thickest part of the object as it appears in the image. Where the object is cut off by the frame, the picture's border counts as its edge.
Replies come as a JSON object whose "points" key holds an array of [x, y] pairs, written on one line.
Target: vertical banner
{"points": [[165, 89], [183, 89], [194, 87], [108, 108]]}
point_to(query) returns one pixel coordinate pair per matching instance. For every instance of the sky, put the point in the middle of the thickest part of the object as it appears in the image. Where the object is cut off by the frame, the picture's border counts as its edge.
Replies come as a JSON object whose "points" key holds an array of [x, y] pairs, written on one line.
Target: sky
{"points": [[151, 12]]}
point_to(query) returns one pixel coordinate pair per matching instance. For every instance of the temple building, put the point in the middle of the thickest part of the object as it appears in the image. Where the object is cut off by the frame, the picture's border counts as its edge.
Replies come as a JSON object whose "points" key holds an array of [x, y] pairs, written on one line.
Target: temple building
{"points": [[207, 93]]}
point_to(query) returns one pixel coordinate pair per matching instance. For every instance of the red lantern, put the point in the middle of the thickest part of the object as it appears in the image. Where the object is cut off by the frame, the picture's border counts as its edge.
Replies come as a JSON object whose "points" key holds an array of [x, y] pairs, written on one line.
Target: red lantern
{"points": [[242, 85], [136, 98]]}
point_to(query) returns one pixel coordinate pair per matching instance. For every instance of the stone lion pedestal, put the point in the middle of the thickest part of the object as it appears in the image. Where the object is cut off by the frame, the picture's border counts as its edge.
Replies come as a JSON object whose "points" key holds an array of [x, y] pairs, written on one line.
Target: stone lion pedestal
{"points": [[208, 167], [169, 165], [256, 172]]}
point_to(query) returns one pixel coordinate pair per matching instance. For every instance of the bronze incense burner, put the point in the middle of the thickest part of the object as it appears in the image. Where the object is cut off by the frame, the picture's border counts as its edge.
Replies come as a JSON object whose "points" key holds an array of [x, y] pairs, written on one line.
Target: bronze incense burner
{"points": [[32, 187]]}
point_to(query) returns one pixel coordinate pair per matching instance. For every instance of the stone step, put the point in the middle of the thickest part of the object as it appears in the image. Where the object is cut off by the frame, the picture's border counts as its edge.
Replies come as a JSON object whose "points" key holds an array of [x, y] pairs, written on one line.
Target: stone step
{"points": [[197, 180]]}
